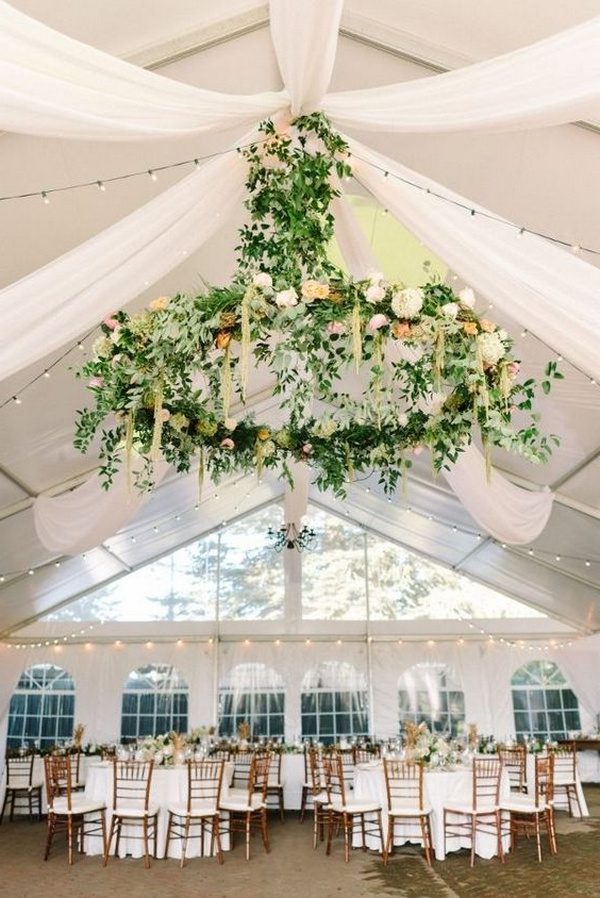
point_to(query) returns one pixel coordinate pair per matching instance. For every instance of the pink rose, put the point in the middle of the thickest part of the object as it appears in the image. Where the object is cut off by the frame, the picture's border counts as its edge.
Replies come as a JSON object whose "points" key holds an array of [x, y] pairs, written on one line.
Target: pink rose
{"points": [[335, 327], [227, 443], [96, 382], [110, 323], [165, 414], [377, 321], [513, 369], [417, 450], [307, 448]]}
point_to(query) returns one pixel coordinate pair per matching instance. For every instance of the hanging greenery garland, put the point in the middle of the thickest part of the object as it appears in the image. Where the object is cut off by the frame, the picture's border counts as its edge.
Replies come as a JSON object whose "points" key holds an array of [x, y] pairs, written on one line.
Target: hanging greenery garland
{"points": [[396, 368]]}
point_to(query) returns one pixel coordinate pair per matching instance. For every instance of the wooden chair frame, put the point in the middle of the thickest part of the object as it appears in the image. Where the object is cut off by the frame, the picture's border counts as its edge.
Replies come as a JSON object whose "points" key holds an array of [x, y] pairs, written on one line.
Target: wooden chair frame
{"points": [[131, 784], [565, 763], [275, 786], [404, 783], [336, 792], [530, 822], [514, 761], [20, 791], [485, 790], [76, 824], [205, 780], [255, 814]]}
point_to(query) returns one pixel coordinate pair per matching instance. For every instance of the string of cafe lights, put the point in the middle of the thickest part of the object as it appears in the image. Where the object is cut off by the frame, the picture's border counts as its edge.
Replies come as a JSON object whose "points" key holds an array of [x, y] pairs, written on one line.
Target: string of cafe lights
{"points": [[520, 231]]}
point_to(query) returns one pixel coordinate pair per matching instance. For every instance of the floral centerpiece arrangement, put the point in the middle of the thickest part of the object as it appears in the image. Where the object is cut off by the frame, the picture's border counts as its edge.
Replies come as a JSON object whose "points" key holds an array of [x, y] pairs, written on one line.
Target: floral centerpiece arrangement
{"points": [[432, 372], [487, 745], [433, 750]]}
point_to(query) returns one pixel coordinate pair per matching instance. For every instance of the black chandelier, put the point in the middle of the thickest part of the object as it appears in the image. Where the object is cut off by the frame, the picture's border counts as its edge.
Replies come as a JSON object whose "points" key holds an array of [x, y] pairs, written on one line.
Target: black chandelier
{"points": [[289, 537]]}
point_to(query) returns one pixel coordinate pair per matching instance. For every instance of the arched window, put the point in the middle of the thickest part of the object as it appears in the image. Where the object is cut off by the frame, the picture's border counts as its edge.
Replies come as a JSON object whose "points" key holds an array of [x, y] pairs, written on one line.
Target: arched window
{"points": [[155, 701], [543, 704], [42, 707], [334, 702], [253, 694], [430, 693]]}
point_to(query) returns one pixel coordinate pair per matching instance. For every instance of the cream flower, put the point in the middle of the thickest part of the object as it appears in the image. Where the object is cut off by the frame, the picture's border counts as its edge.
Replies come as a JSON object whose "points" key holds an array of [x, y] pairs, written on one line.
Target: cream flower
{"points": [[467, 297], [491, 348], [230, 424], [325, 428], [450, 309], [285, 299], [314, 290], [374, 293], [102, 346], [488, 326], [262, 280], [408, 303], [374, 277]]}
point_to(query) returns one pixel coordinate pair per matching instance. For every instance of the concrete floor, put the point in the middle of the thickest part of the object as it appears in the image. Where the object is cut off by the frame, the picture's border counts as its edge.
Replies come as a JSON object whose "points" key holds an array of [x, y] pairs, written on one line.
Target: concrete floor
{"points": [[294, 870]]}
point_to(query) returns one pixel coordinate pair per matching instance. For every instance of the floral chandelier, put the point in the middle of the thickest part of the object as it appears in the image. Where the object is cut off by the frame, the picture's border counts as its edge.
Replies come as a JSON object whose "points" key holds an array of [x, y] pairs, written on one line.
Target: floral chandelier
{"points": [[431, 372]]}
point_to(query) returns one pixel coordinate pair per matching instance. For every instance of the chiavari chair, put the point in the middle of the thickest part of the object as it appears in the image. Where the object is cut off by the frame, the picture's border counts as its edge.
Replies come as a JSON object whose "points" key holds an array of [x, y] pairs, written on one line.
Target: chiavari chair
{"points": [[347, 758], [529, 813], [343, 811], [406, 804], [275, 784], [78, 785], [23, 790], [242, 761], [131, 806], [319, 794], [247, 808], [205, 780], [70, 811], [565, 774], [364, 755], [514, 761], [220, 754], [482, 813], [307, 783]]}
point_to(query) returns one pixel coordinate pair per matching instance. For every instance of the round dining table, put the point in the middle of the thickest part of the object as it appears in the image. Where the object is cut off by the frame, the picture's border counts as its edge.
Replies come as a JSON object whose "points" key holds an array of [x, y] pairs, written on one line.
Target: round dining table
{"points": [[169, 786], [442, 787]]}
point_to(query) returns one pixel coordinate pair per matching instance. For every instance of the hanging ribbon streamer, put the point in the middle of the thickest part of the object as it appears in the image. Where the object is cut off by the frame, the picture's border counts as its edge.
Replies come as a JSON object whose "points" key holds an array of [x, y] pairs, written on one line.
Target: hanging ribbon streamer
{"points": [[356, 336], [157, 432], [226, 383], [129, 428], [245, 345]]}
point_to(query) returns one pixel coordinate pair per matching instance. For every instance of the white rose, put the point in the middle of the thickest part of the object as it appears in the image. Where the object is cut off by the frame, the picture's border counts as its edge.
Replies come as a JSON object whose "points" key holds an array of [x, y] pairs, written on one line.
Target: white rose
{"points": [[450, 309], [467, 297], [491, 348], [407, 303], [374, 277], [285, 299], [262, 279], [375, 293], [230, 424], [402, 419]]}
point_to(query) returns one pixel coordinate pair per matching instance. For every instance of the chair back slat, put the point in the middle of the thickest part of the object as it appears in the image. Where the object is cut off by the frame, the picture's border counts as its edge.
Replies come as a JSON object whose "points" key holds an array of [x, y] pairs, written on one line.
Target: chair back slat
{"points": [[131, 783], [515, 763], [565, 762], [58, 771], [205, 781], [275, 768], [486, 781], [335, 781], [544, 779], [404, 783], [258, 780], [19, 770], [242, 761]]}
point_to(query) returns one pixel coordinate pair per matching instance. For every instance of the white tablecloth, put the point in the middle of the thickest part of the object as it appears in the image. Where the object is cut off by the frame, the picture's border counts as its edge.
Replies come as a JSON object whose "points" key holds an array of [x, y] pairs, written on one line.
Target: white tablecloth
{"points": [[442, 787], [169, 786]]}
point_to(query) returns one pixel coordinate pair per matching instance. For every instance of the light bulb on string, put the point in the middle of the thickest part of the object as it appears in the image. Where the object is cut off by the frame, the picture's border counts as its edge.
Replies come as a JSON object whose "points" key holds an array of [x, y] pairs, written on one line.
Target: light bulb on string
{"points": [[101, 186], [153, 175], [45, 198]]}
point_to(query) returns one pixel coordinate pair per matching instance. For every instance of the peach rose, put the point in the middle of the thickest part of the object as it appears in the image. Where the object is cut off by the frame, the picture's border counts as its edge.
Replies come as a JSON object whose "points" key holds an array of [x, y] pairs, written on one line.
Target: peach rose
{"points": [[470, 328]]}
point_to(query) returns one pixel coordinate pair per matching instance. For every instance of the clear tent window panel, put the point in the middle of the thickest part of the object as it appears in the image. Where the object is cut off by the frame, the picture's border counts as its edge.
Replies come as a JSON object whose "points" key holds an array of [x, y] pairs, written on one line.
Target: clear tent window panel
{"points": [[333, 703], [543, 705], [154, 702], [251, 575], [42, 708], [403, 585], [334, 570], [430, 693], [252, 694]]}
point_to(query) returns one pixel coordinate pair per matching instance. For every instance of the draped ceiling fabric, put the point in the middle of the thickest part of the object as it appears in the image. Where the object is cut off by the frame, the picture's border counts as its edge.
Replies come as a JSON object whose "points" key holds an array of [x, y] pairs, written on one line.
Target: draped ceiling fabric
{"points": [[55, 86], [553, 81], [51, 85]]}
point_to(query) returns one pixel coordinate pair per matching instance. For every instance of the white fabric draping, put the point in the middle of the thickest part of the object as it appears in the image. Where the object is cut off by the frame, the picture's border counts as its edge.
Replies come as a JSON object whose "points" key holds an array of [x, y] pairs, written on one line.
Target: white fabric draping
{"points": [[547, 289], [58, 302], [82, 519], [553, 81], [507, 512], [55, 86], [305, 39]]}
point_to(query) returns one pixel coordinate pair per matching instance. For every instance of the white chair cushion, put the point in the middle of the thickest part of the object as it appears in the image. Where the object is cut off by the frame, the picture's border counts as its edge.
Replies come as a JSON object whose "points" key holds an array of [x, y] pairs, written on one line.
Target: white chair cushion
{"points": [[139, 812], [523, 805], [321, 798], [240, 803], [564, 781], [407, 810], [467, 808], [78, 806], [24, 787], [356, 807], [199, 809]]}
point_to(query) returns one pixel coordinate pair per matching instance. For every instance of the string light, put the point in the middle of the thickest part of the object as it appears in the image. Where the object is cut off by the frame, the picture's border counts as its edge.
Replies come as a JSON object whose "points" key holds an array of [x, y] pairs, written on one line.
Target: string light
{"points": [[45, 198], [101, 186]]}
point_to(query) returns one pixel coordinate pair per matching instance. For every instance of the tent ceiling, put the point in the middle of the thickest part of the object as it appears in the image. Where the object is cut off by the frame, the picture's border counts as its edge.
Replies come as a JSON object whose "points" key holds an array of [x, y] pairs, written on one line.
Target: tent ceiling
{"points": [[509, 173]]}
